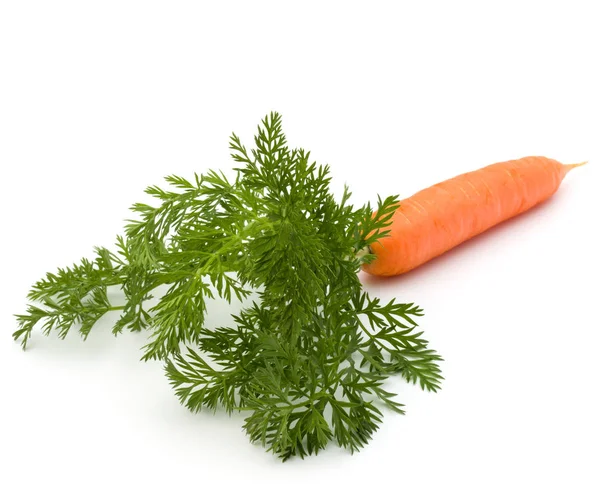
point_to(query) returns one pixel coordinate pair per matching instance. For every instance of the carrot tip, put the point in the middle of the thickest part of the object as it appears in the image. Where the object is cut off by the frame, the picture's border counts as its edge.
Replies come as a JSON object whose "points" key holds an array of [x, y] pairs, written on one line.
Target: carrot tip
{"points": [[572, 166]]}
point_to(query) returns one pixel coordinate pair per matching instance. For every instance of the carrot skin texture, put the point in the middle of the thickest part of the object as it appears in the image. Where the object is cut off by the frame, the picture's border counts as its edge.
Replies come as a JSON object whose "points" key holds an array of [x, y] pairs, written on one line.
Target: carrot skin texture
{"points": [[438, 218]]}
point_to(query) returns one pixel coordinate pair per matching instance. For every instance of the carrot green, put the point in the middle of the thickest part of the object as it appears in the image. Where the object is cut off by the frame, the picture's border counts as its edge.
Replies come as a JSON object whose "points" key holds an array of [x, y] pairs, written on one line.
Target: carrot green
{"points": [[307, 358]]}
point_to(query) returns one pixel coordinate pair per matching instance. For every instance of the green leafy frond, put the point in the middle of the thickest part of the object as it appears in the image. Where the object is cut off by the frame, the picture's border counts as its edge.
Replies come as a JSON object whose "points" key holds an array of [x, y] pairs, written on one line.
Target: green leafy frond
{"points": [[308, 357], [72, 296]]}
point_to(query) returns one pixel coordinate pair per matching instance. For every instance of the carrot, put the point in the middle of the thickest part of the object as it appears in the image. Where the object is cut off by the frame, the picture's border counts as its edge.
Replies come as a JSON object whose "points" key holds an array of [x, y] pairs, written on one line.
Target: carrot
{"points": [[444, 215]]}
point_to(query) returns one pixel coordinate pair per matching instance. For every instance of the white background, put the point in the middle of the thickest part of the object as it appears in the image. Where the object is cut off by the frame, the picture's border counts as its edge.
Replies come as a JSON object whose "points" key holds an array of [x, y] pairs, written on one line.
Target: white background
{"points": [[100, 99]]}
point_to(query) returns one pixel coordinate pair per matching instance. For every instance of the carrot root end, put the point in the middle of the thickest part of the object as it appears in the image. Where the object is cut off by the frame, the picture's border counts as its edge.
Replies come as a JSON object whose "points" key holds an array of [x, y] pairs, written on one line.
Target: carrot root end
{"points": [[572, 166]]}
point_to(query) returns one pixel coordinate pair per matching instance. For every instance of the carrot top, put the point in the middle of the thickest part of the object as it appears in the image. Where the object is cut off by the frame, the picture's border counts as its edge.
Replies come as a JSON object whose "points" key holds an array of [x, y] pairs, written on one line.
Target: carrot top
{"points": [[309, 354]]}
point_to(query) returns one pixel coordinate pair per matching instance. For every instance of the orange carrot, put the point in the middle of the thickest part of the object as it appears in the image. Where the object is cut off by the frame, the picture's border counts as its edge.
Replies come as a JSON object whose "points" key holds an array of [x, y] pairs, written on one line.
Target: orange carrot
{"points": [[444, 215]]}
